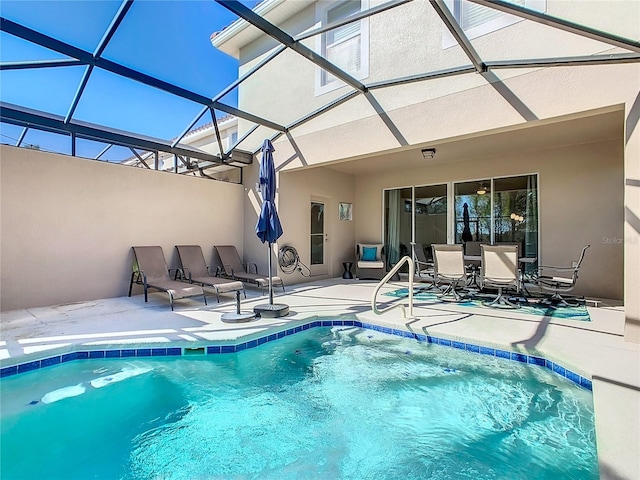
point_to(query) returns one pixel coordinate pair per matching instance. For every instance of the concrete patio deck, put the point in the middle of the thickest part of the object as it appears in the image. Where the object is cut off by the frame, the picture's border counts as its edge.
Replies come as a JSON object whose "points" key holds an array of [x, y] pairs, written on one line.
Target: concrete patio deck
{"points": [[593, 349]]}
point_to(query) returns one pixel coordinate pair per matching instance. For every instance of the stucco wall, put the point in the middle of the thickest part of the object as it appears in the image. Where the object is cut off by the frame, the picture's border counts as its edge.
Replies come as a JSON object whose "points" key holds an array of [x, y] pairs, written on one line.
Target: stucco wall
{"points": [[632, 220], [581, 202], [296, 190], [419, 114], [412, 35], [68, 224]]}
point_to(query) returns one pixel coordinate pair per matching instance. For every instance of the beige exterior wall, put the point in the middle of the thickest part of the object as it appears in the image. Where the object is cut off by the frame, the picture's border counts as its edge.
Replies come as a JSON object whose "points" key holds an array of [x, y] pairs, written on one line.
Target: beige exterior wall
{"points": [[295, 191], [416, 115], [581, 202], [632, 220], [412, 35], [68, 224]]}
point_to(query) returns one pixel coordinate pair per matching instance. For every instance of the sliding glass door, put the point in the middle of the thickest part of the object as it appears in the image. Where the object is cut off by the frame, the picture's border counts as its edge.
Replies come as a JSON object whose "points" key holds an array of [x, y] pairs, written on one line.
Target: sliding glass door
{"points": [[430, 216], [498, 210], [489, 210], [472, 206], [515, 212], [398, 223]]}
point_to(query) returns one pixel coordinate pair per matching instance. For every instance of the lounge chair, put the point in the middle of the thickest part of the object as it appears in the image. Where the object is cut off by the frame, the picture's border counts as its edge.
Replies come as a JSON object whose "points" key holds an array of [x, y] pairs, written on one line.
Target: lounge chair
{"points": [[151, 271], [499, 269], [197, 271], [559, 280], [370, 261], [233, 268], [448, 264]]}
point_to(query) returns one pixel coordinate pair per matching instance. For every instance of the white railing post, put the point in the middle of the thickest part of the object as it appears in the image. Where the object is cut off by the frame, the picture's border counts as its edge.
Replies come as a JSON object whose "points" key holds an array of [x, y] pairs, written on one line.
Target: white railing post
{"points": [[391, 273]]}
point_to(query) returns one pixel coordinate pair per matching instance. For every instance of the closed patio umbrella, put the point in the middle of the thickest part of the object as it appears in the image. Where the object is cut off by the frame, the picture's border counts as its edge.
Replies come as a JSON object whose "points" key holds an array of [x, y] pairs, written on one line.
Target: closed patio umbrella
{"points": [[467, 236], [269, 228]]}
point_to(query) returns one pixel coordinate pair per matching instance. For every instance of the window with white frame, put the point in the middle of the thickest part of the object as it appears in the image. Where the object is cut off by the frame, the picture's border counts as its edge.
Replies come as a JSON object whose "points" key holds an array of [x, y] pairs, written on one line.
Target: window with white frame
{"points": [[233, 138], [346, 46], [477, 20]]}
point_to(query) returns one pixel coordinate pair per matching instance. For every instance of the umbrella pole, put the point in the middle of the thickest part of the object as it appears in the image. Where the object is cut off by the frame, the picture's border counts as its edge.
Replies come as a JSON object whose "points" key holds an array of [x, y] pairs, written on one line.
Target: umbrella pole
{"points": [[270, 280]]}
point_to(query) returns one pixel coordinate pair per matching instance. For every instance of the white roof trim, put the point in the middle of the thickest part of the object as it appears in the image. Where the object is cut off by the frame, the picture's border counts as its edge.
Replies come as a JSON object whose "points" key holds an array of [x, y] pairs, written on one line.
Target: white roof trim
{"points": [[238, 34]]}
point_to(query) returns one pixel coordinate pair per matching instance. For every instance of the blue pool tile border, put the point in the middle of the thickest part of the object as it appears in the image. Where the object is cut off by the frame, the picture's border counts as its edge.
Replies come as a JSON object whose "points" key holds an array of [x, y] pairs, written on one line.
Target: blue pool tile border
{"points": [[536, 360]]}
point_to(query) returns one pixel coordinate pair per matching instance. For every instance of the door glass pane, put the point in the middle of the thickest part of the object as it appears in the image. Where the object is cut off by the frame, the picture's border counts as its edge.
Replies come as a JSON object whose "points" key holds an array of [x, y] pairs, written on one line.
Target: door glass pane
{"points": [[515, 205], [431, 216], [317, 233], [397, 226], [317, 218], [317, 249], [477, 198]]}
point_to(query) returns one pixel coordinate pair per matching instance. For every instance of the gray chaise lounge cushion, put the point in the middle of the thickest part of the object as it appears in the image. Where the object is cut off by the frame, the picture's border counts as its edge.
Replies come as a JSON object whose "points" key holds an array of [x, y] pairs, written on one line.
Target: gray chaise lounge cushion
{"points": [[196, 270], [152, 267], [233, 268]]}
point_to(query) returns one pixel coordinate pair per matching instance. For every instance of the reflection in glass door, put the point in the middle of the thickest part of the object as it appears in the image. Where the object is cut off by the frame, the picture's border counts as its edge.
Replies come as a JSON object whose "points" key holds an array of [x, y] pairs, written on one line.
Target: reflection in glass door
{"points": [[472, 211], [318, 237], [499, 210], [397, 224], [431, 216], [515, 210]]}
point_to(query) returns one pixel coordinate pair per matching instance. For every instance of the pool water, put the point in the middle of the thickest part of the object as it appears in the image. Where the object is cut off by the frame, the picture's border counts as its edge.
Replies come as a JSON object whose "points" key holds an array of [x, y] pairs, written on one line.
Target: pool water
{"points": [[341, 403]]}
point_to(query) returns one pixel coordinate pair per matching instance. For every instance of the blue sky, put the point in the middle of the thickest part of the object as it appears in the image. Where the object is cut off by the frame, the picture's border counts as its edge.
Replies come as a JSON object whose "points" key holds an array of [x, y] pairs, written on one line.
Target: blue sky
{"points": [[165, 39]]}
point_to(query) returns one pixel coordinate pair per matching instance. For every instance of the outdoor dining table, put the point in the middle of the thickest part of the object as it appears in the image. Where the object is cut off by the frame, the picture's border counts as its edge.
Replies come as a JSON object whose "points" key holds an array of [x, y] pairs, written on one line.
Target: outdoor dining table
{"points": [[478, 258]]}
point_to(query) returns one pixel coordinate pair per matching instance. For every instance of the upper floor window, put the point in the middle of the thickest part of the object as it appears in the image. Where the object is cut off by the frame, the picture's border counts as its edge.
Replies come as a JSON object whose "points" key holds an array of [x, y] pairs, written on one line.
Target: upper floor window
{"points": [[347, 46], [477, 20]]}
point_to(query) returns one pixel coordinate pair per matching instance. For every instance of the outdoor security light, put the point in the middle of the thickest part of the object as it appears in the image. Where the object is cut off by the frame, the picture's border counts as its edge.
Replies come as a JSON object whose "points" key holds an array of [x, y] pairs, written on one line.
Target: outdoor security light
{"points": [[428, 152]]}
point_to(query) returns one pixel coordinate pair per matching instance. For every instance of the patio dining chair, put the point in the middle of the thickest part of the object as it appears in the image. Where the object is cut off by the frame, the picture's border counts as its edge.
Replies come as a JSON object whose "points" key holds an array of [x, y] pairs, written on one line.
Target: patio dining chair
{"points": [[150, 271], [424, 269], [448, 265], [233, 268], [499, 269], [559, 280], [472, 248], [197, 271]]}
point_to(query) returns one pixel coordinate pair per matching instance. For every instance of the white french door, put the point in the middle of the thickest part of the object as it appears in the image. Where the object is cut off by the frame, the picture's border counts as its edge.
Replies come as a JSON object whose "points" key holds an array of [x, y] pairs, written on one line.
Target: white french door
{"points": [[318, 238]]}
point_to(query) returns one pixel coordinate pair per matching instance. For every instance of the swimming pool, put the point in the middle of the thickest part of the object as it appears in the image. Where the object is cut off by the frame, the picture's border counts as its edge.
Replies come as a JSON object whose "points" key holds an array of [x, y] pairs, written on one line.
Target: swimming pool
{"points": [[340, 403]]}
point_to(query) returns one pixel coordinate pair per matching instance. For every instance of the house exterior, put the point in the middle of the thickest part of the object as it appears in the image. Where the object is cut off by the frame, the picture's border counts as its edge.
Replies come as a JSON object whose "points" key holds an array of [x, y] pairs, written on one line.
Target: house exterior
{"points": [[555, 146], [205, 139]]}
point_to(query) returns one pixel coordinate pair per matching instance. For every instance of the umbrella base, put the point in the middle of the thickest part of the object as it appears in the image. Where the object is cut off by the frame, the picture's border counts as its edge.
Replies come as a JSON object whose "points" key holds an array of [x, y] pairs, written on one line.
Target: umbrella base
{"points": [[238, 317], [271, 310]]}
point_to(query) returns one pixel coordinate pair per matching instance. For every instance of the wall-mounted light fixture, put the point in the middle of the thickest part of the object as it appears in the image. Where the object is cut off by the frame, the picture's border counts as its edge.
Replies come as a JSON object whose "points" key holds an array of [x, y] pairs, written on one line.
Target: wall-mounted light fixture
{"points": [[482, 189], [428, 152], [517, 218]]}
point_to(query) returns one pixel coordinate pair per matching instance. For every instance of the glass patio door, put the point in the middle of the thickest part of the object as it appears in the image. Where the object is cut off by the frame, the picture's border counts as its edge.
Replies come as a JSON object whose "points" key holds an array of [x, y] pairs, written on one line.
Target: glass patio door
{"points": [[515, 207], [398, 224], [498, 210], [472, 206], [318, 238], [430, 216]]}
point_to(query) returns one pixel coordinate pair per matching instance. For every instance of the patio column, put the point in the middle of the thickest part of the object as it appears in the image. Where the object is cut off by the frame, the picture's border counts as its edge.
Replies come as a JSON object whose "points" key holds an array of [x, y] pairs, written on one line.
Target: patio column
{"points": [[632, 220]]}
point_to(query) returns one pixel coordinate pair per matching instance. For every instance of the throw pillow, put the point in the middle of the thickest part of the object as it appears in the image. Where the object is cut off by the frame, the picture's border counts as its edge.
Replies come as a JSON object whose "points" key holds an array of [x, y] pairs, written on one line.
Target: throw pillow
{"points": [[368, 254]]}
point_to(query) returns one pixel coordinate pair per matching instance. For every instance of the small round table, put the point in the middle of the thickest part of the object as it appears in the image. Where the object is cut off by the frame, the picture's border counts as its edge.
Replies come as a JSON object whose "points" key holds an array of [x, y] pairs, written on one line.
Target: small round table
{"points": [[347, 270]]}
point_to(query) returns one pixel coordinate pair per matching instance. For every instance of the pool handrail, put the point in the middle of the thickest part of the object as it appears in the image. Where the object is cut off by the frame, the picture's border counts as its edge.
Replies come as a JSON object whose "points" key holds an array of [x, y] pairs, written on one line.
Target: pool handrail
{"points": [[392, 272]]}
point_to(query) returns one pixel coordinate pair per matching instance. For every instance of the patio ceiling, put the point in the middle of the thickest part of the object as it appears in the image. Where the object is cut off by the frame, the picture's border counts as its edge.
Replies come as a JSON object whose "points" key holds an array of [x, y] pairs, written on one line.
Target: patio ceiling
{"points": [[105, 55], [592, 127]]}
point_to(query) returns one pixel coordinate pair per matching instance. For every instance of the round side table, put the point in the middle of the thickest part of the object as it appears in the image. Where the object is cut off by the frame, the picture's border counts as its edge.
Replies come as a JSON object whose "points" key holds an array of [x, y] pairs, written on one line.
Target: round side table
{"points": [[347, 270]]}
